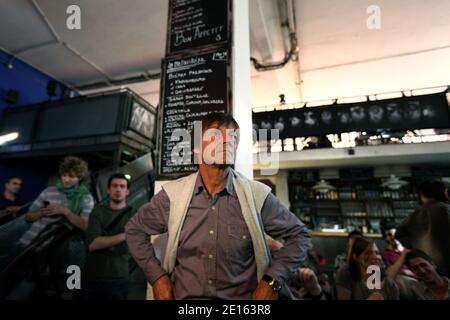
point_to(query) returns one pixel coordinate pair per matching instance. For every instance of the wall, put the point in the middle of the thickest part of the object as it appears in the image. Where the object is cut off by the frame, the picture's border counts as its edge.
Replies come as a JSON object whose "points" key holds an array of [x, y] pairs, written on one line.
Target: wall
{"points": [[31, 83], [32, 87]]}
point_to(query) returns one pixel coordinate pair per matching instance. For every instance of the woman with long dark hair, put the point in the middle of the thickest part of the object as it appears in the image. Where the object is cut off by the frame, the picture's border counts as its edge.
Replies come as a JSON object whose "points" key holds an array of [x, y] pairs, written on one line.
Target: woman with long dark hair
{"points": [[353, 282]]}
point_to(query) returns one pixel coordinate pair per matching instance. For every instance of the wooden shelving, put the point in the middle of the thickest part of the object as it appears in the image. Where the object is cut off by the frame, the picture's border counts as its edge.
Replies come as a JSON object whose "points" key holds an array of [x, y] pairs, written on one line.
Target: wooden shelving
{"points": [[359, 203]]}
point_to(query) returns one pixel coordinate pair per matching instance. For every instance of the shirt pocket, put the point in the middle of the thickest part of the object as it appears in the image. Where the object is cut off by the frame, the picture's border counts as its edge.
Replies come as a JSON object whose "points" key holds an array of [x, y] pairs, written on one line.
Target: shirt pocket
{"points": [[240, 246]]}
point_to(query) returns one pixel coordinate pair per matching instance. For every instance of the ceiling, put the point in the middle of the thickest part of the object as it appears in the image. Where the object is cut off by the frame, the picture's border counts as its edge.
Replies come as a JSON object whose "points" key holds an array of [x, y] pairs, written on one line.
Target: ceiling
{"points": [[338, 55]]}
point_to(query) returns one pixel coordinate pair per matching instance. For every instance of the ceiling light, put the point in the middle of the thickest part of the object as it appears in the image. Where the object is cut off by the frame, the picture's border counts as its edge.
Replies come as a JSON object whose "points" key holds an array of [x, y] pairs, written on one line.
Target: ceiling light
{"points": [[393, 183], [8, 137], [323, 187]]}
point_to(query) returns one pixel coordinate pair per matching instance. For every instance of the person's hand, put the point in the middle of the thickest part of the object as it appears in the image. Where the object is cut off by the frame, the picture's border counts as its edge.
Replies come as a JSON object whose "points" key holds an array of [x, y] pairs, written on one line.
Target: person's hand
{"points": [[403, 255], [33, 216], [376, 296], [264, 292], [13, 209], [53, 210], [308, 280], [405, 252], [163, 289]]}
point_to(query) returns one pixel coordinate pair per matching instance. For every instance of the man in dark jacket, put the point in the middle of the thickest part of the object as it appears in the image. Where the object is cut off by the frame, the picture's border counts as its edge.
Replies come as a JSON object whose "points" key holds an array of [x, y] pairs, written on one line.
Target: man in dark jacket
{"points": [[428, 228]]}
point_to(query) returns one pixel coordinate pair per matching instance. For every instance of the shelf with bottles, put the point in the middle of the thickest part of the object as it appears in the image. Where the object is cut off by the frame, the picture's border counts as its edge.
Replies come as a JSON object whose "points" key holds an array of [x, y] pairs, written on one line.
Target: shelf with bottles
{"points": [[327, 205], [405, 204], [326, 222], [323, 213], [353, 209], [379, 209], [299, 193], [402, 213], [352, 223], [401, 195], [357, 193]]}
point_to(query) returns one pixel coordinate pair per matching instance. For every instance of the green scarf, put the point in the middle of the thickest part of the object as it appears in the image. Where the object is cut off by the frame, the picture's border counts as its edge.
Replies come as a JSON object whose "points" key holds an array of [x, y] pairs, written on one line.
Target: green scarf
{"points": [[74, 196]]}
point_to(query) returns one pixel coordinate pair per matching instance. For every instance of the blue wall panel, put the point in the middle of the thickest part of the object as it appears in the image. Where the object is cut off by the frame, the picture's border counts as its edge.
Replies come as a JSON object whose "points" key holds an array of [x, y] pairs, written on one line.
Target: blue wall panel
{"points": [[29, 82], [32, 87]]}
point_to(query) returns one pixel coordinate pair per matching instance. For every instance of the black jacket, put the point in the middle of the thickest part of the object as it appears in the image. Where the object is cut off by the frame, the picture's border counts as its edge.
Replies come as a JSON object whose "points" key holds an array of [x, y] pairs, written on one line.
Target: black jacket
{"points": [[428, 229]]}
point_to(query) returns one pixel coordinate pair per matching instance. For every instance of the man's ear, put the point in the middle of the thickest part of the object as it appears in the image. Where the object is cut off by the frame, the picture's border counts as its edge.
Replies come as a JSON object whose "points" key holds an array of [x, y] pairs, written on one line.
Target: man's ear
{"points": [[128, 192]]}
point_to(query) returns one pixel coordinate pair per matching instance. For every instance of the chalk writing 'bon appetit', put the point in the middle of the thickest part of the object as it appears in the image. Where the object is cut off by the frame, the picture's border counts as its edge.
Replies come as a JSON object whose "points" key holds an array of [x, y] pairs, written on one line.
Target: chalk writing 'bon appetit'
{"points": [[181, 37]]}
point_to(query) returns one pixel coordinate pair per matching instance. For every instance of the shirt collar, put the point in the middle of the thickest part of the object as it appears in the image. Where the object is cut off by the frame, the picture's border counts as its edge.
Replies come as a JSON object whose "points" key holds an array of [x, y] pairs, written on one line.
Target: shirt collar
{"points": [[199, 186]]}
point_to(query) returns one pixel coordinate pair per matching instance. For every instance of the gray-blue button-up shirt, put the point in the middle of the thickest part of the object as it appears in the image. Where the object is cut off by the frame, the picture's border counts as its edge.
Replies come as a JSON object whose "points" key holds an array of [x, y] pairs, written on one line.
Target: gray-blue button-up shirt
{"points": [[215, 258]]}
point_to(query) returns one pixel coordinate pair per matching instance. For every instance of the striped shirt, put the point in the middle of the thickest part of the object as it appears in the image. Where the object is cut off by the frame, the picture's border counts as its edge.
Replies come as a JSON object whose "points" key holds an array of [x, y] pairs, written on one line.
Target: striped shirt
{"points": [[53, 196]]}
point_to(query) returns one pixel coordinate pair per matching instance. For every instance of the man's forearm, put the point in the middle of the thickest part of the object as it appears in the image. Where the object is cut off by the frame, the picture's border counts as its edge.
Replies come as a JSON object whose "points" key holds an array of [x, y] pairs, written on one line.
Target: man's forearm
{"points": [[142, 251], [106, 242], [77, 221], [289, 258]]}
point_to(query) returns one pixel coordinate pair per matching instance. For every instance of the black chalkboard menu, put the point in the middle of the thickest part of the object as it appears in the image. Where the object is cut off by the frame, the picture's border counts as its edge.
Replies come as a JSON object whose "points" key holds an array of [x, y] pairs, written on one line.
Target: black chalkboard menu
{"points": [[192, 87], [196, 23]]}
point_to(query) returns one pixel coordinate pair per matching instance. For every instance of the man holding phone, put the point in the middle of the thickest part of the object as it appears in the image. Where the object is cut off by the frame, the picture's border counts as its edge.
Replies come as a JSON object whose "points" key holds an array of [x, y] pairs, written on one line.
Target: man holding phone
{"points": [[69, 199]]}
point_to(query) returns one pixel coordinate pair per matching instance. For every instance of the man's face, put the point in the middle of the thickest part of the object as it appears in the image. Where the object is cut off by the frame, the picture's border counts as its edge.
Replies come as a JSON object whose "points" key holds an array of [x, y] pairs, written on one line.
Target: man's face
{"points": [[424, 270], [118, 190], [70, 179], [13, 186], [219, 145]]}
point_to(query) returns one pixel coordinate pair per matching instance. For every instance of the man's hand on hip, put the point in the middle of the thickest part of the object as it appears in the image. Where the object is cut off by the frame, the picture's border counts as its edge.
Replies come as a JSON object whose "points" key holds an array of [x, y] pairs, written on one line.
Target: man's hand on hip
{"points": [[264, 292], [163, 289]]}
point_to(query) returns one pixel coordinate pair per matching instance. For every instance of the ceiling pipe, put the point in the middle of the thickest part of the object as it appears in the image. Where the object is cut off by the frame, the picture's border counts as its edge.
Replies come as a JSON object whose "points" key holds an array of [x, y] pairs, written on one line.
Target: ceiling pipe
{"points": [[120, 82], [291, 53]]}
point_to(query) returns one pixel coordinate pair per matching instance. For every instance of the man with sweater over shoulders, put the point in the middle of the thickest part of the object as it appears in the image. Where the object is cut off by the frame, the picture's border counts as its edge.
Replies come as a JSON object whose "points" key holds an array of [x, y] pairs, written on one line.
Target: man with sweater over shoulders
{"points": [[216, 220]]}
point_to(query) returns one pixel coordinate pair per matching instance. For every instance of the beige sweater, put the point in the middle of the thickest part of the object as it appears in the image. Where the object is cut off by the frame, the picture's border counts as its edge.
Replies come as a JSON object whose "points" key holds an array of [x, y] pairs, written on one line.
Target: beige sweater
{"points": [[251, 195]]}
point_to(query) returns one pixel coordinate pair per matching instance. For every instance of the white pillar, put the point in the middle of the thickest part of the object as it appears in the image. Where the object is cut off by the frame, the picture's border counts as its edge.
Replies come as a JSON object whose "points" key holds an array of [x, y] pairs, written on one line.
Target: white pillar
{"points": [[282, 185], [241, 88]]}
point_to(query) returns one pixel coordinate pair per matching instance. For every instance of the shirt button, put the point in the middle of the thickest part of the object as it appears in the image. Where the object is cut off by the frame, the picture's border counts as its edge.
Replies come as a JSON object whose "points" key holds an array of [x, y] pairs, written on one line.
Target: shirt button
{"points": [[213, 207], [210, 256], [211, 231], [244, 237], [209, 281]]}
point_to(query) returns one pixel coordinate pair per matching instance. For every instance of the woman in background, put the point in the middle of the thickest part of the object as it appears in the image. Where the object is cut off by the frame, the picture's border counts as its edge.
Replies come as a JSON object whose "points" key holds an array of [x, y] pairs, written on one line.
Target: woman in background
{"points": [[351, 281]]}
